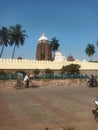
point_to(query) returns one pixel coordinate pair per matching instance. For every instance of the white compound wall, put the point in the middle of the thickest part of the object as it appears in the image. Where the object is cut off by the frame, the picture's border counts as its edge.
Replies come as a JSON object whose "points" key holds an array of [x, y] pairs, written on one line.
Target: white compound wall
{"points": [[34, 64]]}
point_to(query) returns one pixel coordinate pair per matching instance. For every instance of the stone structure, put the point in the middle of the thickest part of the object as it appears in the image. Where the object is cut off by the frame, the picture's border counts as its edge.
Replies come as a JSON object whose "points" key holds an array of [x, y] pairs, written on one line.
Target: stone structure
{"points": [[43, 64], [70, 58], [59, 57], [43, 51], [43, 60]]}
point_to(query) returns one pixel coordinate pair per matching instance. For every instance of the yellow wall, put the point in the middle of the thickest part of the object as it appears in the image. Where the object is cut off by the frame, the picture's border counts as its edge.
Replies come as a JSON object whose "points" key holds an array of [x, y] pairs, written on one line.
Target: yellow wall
{"points": [[33, 64]]}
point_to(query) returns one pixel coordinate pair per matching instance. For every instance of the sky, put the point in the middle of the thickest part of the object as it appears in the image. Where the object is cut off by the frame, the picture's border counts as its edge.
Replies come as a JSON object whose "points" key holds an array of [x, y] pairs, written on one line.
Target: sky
{"points": [[74, 23]]}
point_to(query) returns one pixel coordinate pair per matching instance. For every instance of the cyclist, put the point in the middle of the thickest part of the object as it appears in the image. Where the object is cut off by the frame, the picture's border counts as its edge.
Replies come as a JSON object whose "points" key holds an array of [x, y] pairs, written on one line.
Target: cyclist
{"points": [[26, 79]]}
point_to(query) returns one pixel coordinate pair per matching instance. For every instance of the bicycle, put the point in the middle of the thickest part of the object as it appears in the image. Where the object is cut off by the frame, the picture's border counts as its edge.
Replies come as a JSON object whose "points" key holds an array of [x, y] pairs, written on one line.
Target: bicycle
{"points": [[19, 83]]}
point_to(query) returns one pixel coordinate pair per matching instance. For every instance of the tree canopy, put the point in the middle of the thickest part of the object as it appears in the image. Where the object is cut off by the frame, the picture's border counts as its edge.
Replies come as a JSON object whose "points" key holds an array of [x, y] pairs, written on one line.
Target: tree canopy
{"points": [[90, 50], [17, 36], [54, 44], [71, 69], [4, 39]]}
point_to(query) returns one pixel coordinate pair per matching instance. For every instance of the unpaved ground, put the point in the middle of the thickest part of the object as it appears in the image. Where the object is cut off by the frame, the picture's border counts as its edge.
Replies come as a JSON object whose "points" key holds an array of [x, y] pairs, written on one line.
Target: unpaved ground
{"points": [[55, 106]]}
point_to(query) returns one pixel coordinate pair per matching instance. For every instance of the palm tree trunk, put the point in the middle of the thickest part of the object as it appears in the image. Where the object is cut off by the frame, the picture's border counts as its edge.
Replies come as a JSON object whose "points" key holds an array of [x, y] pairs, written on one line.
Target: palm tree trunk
{"points": [[90, 58], [1, 51], [53, 55], [13, 52]]}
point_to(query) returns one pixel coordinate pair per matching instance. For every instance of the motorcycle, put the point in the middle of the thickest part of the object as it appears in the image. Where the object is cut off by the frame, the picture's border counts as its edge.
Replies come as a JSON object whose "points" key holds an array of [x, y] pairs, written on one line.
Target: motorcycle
{"points": [[95, 111], [92, 82]]}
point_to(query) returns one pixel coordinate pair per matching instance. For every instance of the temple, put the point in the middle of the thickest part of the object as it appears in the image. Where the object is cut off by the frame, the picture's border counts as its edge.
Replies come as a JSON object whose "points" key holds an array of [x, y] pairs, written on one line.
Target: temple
{"points": [[70, 58], [43, 51], [43, 60], [59, 57]]}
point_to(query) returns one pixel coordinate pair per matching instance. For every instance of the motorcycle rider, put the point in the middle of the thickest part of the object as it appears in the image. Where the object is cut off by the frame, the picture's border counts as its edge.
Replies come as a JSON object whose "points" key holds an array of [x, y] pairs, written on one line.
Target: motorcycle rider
{"points": [[92, 81]]}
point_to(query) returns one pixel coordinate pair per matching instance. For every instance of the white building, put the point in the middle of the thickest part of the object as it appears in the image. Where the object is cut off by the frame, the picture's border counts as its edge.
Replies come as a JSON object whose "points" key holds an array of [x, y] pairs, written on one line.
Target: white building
{"points": [[59, 57]]}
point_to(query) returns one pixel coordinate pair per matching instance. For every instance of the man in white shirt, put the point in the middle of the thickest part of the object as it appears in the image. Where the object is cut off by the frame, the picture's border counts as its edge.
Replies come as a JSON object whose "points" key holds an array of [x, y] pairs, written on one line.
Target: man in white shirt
{"points": [[26, 79]]}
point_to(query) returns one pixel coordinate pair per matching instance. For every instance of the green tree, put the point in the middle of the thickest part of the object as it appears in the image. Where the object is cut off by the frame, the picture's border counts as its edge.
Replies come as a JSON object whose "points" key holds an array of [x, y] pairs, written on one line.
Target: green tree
{"points": [[90, 50], [4, 39], [71, 69], [17, 36], [54, 46], [48, 71], [36, 71]]}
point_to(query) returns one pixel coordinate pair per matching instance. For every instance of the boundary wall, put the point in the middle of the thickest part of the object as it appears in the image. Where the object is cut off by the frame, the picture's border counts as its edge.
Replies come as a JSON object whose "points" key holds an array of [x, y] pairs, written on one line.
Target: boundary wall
{"points": [[34, 64]]}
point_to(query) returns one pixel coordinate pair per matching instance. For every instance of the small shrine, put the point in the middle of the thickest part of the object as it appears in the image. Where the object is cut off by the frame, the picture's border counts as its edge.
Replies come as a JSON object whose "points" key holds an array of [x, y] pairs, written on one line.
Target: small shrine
{"points": [[70, 58], [19, 58], [59, 57]]}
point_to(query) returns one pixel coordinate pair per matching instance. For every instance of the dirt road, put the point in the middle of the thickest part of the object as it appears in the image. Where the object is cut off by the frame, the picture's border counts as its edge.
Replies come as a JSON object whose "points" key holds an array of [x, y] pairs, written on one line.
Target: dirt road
{"points": [[53, 107]]}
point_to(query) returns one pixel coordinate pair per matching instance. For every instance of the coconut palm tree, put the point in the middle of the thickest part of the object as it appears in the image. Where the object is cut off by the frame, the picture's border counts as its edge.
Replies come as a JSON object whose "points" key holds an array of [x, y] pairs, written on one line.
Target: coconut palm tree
{"points": [[54, 45], [90, 50], [4, 38], [17, 37]]}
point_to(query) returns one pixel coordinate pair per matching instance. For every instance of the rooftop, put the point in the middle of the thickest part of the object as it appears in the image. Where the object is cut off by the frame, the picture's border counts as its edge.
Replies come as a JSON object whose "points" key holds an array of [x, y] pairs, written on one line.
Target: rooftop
{"points": [[43, 38]]}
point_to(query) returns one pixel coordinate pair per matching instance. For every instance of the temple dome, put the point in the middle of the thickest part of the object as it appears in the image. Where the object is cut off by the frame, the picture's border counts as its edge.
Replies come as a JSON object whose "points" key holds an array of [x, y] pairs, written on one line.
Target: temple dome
{"points": [[59, 57], [70, 58], [43, 38]]}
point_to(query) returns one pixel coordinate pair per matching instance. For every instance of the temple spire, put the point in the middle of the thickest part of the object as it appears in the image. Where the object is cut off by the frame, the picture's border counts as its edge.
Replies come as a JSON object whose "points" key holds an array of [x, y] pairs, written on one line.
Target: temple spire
{"points": [[43, 38]]}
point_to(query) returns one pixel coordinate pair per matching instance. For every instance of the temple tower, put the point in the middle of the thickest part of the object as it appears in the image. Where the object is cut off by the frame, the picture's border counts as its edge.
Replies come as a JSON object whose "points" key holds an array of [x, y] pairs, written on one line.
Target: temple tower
{"points": [[43, 51]]}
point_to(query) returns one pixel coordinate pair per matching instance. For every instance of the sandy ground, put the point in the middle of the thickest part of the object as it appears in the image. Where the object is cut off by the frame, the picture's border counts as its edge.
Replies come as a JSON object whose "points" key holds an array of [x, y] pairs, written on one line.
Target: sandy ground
{"points": [[52, 106]]}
